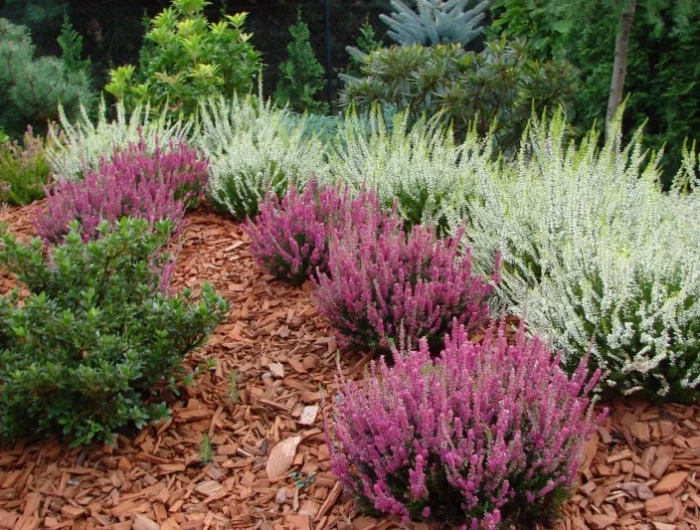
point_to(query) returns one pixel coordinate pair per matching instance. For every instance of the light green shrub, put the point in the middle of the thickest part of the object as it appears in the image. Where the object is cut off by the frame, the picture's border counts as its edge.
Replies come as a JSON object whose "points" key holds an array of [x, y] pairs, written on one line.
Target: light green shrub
{"points": [[186, 59], [254, 148]]}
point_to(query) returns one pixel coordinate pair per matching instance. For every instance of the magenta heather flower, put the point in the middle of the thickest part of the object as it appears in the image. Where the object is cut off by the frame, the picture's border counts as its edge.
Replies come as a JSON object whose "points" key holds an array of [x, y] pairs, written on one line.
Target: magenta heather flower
{"points": [[486, 432], [382, 280], [134, 183], [290, 236]]}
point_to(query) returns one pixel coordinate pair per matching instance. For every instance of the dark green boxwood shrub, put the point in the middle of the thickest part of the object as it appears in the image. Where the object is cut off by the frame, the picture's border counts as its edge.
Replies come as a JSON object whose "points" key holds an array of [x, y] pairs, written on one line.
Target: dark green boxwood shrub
{"points": [[83, 351]]}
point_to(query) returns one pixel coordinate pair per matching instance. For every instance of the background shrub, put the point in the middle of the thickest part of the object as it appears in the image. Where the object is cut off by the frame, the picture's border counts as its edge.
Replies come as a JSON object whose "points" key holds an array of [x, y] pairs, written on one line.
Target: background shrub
{"points": [[597, 257], [290, 236], [488, 433], [31, 87], [254, 149], [383, 280], [134, 183], [187, 59], [660, 82], [24, 170], [302, 75], [500, 84], [81, 146], [82, 352]]}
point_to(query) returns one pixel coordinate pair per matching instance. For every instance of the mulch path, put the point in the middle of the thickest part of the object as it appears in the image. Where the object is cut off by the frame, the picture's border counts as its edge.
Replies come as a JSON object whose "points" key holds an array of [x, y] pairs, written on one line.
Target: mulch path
{"points": [[641, 470]]}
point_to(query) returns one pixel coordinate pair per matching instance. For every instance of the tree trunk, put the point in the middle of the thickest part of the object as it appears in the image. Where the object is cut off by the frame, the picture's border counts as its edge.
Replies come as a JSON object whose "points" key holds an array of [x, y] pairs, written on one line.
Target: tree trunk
{"points": [[622, 42]]}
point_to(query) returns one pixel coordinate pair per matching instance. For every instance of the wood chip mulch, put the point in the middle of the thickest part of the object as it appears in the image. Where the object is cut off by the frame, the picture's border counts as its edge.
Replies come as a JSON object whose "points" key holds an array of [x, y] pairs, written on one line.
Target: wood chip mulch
{"points": [[268, 465]]}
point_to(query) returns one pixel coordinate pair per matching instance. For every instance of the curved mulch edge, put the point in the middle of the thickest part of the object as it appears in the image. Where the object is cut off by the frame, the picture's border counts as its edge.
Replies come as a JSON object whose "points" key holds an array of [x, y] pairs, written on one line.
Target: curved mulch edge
{"points": [[640, 470]]}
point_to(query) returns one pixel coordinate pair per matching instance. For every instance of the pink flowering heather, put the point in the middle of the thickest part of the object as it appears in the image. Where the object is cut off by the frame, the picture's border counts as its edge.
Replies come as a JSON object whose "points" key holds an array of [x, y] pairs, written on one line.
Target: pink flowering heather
{"points": [[134, 183], [487, 433], [290, 236], [382, 280]]}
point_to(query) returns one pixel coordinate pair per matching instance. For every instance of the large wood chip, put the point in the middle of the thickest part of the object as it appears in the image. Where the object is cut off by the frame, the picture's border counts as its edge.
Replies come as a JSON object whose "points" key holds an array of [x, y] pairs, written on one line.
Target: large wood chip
{"points": [[659, 505], [142, 522], [209, 487], [670, 482], [282, 457]]}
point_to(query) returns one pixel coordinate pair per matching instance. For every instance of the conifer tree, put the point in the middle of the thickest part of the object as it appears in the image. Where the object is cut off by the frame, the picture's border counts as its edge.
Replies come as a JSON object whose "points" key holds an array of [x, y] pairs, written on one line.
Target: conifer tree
{"points": [[435, 21], [302, 74]]}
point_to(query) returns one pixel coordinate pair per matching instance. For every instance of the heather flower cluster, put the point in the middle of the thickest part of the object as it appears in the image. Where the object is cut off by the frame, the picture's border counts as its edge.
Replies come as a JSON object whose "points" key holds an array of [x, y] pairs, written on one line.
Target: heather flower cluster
{"points": [[383, 280], [290, 236], [134, 183], [487, 433]]}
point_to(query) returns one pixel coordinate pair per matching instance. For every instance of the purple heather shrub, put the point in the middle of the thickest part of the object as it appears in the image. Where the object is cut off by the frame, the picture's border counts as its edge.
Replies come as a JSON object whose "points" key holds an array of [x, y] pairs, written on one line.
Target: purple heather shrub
{"points": [[383, 280], [290, 236], [486, 433], [154, 186]]}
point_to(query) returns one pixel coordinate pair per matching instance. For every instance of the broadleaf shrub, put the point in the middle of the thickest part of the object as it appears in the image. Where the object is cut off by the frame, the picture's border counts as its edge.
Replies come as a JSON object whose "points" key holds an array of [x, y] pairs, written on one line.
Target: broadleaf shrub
{"points": [[382, 280], [134, 183], [290, 236], [24, 170], [186, 58], [487, 433], [81, 353]]}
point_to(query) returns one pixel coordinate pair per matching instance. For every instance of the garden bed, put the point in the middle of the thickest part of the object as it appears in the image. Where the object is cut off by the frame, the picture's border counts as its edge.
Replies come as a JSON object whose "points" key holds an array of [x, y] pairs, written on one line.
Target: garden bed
{"points": [[641, 468]]}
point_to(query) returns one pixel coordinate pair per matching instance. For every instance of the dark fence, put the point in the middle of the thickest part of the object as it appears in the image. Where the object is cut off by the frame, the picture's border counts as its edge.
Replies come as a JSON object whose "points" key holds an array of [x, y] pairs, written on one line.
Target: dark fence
{"points": [[113, 29]]}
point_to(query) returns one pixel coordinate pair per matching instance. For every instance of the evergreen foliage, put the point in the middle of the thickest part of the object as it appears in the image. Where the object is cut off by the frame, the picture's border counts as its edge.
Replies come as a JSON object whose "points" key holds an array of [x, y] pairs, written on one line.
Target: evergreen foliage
{"points": [[661, 84], [71, 43], [24, 170], [302, 74], [435, 22], [32, 87], [81, 354], [500, 84]]}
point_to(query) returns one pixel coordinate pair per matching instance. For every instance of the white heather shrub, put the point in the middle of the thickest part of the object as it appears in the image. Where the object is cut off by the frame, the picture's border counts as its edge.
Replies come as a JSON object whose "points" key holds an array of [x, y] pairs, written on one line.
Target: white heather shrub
{"points": [[254, 148], [596, 256], [420, 166], [80, 146]]}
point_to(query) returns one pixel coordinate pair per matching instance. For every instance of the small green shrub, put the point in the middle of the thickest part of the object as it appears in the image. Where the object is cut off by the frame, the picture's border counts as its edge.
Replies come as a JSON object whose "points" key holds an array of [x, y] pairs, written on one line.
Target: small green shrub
{"points": [[501, 84], [302, 74], [24, 170], [83, 351], [31, 88], [186, 59]]}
